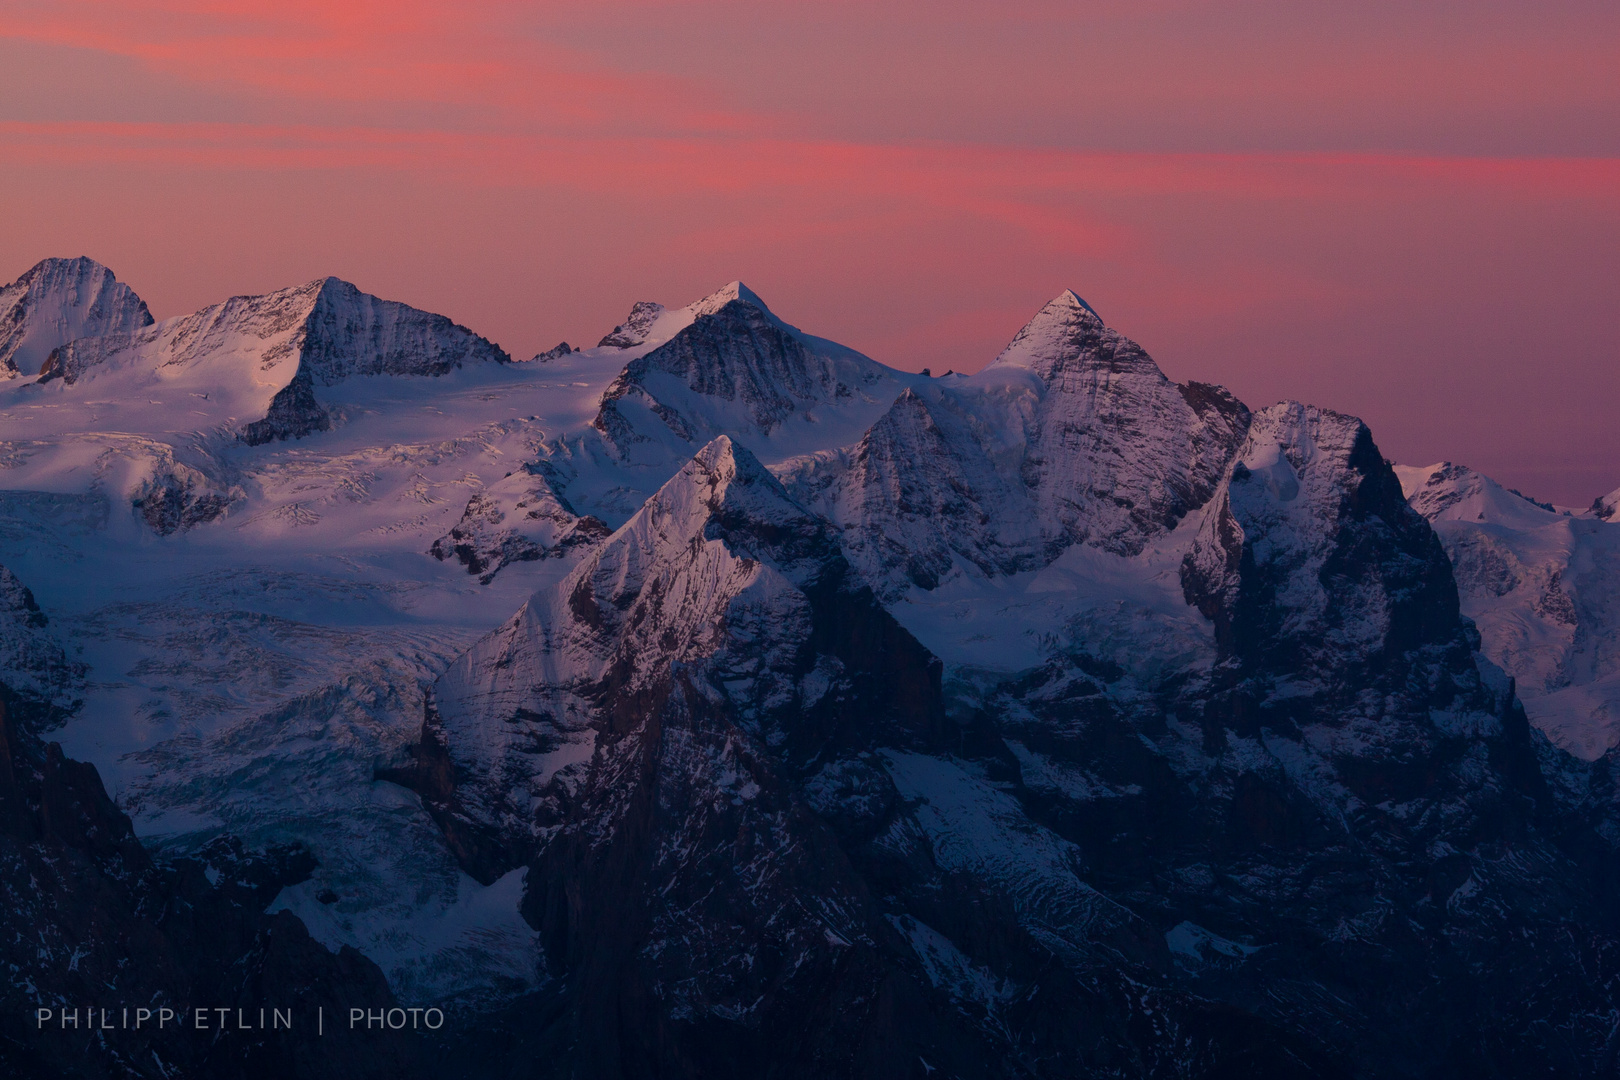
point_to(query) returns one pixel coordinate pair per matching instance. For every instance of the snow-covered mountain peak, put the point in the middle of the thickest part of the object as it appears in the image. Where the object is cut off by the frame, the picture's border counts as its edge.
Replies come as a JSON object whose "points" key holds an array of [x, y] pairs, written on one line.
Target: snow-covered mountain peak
{"points": [[1455, 492], [1072, 437], [715, 559], [724, 295], [722, 491], [726, 365], [57, 301], [650, 324], [1309, 556], [1062, 331], [252, 362], [1540, 584]]}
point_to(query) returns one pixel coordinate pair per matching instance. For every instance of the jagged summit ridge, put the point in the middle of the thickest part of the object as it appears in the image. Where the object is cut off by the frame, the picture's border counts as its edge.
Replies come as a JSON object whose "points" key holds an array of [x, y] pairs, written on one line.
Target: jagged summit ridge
{"points": [[723, 490], [1282, 556], [723, 808], [261, 357], [725, 365], [58, 301]]}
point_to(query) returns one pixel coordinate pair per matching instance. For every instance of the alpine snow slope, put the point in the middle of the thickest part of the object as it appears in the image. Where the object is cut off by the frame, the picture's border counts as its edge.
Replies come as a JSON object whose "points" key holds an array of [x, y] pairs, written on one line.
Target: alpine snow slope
{"points": [[1543, 585], [717, 701]]}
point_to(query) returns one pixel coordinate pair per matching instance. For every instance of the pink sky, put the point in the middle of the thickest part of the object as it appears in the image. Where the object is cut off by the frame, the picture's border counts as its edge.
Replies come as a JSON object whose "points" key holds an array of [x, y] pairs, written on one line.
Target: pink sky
{"points": [[1408, 211]]}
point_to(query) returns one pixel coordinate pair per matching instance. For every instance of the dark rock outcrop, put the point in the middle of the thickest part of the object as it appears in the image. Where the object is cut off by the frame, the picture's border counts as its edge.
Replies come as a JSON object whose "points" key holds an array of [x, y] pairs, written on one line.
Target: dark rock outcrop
{"points": [[519, 519], [293, 413], [90, 921], [179, 498]]}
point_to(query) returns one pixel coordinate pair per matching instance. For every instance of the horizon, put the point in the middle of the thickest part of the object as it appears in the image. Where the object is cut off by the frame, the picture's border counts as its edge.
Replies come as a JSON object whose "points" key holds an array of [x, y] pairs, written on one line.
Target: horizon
{"points": [[519, 356], [1406, 215]]}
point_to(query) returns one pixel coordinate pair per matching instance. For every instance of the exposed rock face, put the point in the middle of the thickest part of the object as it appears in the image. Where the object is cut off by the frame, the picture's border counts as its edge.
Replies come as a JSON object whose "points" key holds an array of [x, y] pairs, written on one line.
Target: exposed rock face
{"points": [[37, 680], [1311, 544], [1073, 436], [1349, 799], [518, 519], [719, 564], [1604, 506], [556, 352], [734, 368], [1056, 721], [725, 767], [634, 736], [178, 499], [350, 333], [270, 353], [90, 920], [293, 413], [96, 923], [58, 301], [634, 330]]}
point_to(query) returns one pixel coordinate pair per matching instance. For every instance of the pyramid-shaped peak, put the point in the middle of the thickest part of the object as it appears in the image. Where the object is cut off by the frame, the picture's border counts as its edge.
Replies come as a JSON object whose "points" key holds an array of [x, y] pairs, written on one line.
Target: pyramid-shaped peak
{"points": [[59, 274], [1072, 301], [724, 295], [723, 462], [718, 454], [331, 283], [1061, 331], [725, 486], [723, 493], [651, 324]]}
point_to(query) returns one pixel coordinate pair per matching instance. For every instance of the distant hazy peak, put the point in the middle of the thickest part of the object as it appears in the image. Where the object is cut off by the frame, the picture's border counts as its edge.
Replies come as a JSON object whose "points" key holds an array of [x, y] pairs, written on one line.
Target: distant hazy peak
{"points": [[635, 328], [58, 301]]}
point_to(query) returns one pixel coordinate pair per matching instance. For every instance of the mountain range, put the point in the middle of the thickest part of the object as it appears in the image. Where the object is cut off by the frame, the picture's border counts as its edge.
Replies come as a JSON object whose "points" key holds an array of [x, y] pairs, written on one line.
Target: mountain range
{"points": [[718, 701]]}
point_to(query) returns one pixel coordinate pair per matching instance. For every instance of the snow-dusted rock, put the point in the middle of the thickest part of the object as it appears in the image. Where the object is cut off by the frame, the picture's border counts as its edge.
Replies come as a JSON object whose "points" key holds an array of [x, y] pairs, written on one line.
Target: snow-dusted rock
{"points": [[679, 741], [1543, 586], [518, 519], [723, 365], [58, 301], [1604, 506], [720, 575], [262, 357], [1072, 436], [556, 352], [1311, 544], [727, 365], [1205, 764]]}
